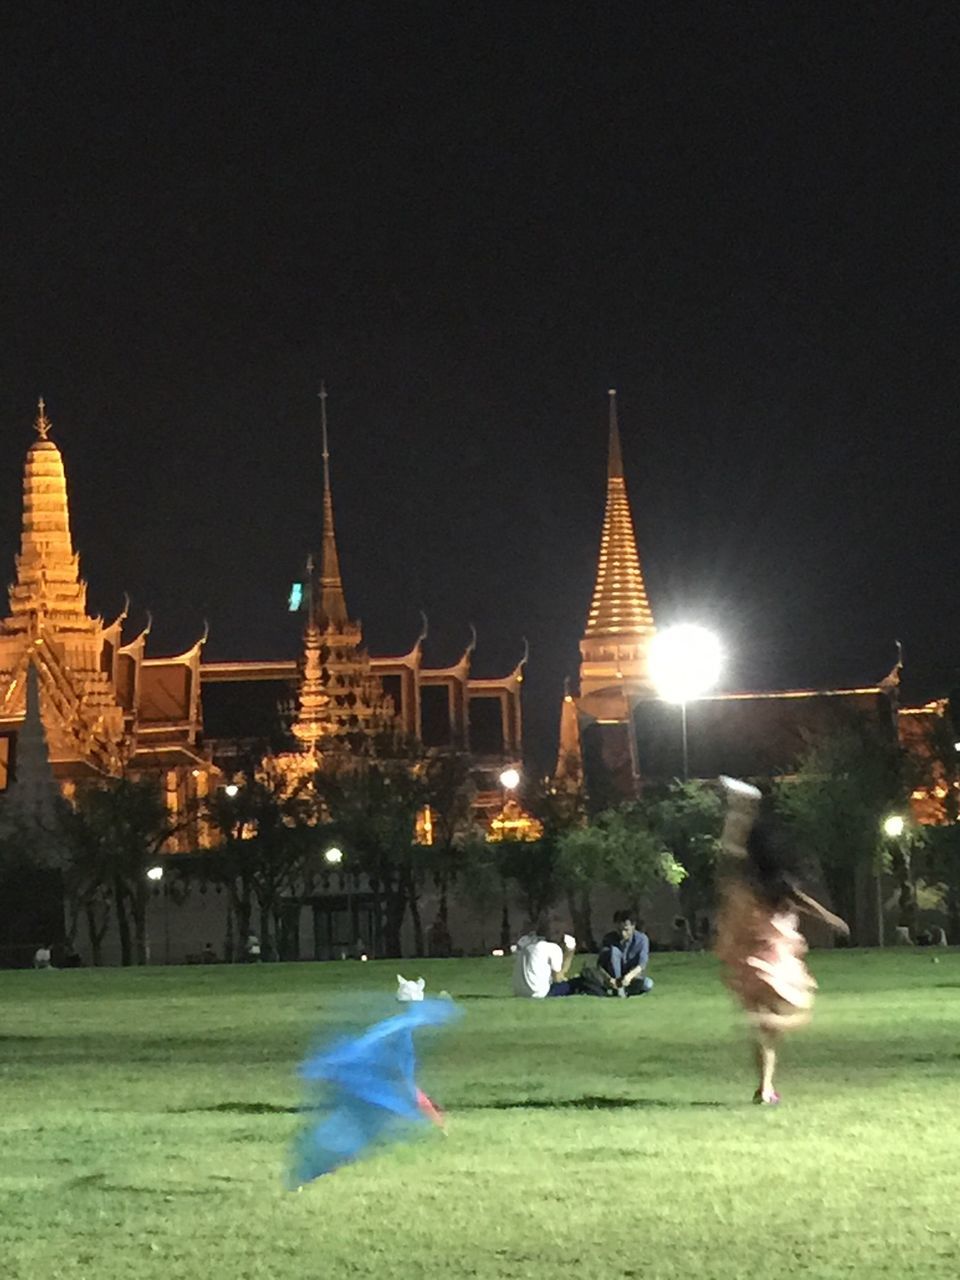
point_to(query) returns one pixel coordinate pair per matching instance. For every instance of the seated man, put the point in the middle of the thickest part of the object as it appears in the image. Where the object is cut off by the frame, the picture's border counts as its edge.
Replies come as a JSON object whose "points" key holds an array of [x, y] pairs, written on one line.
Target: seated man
{"points": [[541, 967], [623, 957]]}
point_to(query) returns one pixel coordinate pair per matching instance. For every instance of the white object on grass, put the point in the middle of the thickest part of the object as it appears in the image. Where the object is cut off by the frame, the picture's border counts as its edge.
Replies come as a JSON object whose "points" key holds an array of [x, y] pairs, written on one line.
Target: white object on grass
{"points": [[408, 990]]}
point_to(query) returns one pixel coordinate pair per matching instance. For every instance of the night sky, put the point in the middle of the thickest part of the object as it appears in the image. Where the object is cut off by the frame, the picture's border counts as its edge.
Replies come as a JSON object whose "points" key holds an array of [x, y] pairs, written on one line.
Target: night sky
{"points": [[471, 220]]}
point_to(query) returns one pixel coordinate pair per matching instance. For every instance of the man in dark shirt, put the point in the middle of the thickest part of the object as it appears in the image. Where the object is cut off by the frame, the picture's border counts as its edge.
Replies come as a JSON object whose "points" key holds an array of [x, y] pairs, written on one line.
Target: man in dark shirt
{"points": [[623, 957]]}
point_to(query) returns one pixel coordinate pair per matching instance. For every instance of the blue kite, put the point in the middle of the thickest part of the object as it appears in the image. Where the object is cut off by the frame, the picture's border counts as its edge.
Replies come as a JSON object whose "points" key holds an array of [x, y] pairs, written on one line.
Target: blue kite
{"points": [[364, 1091]]}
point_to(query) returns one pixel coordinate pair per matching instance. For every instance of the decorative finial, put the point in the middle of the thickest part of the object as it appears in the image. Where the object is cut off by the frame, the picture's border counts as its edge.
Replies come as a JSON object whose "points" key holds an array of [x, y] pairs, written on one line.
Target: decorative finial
{"points": [[42, 424], [323, 419]]}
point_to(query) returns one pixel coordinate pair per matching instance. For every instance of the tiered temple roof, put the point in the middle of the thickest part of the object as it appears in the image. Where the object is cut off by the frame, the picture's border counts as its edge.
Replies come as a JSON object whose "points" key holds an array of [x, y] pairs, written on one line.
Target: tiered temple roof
{"points": [[614, 651]]}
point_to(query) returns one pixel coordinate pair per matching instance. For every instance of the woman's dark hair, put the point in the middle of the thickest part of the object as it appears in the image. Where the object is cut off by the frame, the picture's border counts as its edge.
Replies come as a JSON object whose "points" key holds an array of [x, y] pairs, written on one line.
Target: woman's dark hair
{"points": [[768, 867]]}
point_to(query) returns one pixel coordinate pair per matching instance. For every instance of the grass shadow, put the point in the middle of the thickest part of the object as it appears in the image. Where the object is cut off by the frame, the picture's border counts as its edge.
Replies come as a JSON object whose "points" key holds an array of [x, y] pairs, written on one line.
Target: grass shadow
{"points": [[237, 1109], [100, 1182], [587, 1103]]}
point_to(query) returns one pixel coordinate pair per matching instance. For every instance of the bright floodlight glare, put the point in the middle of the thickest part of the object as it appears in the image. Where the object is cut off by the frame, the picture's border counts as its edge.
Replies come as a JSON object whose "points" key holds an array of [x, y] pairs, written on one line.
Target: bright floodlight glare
{"points": [[333, 856], [510, 779], [893, 826], [956, 746], [685, 662], [231, 789], [155, 873]]}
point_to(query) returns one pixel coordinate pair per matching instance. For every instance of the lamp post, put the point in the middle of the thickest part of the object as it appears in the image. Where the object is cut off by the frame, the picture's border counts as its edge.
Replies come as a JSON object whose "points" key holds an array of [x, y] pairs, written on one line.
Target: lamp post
{"points": [[685, 663], [893, 827], [333, 857], [155, 875], [510, 778]]}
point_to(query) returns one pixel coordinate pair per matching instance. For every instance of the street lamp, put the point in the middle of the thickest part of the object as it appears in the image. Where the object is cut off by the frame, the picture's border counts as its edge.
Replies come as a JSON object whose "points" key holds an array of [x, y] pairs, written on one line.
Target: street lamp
{"points": [[155, 875], [893, 827], [231, 790], [333, 857], [685, 662], [510, 779]]}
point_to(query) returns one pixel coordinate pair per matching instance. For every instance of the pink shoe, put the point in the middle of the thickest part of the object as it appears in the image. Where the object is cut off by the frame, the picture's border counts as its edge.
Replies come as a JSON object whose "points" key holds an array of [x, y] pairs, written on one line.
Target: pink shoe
{"points": [[766, 1098]]}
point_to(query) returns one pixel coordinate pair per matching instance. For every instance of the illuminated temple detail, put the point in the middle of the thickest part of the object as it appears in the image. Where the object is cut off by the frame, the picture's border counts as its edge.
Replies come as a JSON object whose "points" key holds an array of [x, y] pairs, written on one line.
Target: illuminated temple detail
{"points": [[339, 695], [512, 823], [615, 645], [103, 705], [338, 698]]}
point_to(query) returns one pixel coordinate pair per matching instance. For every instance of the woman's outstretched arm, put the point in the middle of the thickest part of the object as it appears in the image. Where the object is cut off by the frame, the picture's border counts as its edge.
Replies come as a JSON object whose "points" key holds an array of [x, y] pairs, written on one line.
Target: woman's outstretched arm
{"points": [[813, 908]]}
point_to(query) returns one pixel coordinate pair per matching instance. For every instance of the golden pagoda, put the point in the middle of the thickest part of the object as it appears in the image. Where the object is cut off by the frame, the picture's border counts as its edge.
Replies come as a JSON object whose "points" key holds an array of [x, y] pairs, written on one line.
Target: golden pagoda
{"points": [[614, 651], [104, 706]]}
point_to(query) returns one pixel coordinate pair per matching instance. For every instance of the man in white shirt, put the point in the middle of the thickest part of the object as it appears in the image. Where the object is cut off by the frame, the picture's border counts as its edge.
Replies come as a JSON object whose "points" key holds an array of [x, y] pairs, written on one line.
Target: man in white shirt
{"points": [[541, 968]]}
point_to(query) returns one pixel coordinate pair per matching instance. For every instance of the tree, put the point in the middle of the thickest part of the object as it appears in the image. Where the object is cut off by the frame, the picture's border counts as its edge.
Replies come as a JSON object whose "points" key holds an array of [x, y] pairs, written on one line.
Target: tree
{"points": [[267, 821], [371, 806], [620, 849], [448, 791], [834, 805], [687, 817], [119, 828]]}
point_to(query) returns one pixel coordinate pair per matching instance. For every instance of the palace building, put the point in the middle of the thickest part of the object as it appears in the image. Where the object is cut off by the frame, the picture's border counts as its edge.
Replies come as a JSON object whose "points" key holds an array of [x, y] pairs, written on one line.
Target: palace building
{"points": [[617, 734], [105, 706], [339, 695]]}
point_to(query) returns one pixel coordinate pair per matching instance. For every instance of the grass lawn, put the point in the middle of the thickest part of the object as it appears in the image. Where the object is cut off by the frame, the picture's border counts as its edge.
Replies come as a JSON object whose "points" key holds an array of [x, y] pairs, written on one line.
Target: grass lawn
{"points": [[146, 1116]]}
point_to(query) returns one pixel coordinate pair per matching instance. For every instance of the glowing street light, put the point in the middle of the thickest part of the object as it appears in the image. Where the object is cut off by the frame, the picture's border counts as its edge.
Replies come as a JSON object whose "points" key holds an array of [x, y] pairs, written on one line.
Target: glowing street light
{"points": [[893, 826], [333, 857], [510, 779], [155, 875], [685, 663], [231, 789]]}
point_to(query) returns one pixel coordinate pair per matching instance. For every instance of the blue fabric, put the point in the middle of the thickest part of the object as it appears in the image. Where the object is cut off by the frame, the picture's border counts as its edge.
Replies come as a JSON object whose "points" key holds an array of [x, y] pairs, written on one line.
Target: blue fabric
{"points": [[363, 1090], [565, 987]]}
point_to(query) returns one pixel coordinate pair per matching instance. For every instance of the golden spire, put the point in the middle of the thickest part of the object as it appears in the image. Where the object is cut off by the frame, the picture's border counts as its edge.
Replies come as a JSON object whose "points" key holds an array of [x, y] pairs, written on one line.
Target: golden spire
{"points": [[333, 604], [42, 424], [620, 605], [48, 577], [614, 651]]}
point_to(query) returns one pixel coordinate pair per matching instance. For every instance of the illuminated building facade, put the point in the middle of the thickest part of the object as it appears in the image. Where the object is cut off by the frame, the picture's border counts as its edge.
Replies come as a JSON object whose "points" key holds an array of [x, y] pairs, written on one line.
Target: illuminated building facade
{"points": [[338, 697], [104, 705], [618, 735]]}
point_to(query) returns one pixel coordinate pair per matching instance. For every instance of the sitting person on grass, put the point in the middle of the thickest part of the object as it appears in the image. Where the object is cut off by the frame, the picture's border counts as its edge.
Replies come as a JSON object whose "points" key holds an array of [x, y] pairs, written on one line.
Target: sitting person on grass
{"points": [[541, 967], [623, 957]]}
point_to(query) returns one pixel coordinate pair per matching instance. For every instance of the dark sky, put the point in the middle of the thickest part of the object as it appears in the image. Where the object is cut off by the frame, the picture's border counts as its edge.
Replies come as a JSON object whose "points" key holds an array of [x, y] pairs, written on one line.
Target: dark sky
{"points": [[470, 220]]}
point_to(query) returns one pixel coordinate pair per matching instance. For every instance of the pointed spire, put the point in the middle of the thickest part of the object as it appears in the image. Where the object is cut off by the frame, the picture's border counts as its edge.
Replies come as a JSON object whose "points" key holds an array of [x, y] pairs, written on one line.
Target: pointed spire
{"points": [[48, 571], [615, 646], [620, 605], [615, 462], [42, 424], [333, 605]]}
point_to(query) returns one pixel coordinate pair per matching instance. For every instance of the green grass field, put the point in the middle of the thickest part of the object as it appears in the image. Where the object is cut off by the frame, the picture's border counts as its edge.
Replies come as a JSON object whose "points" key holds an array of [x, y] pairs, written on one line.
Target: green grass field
{"points": [[146, 1116]]}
